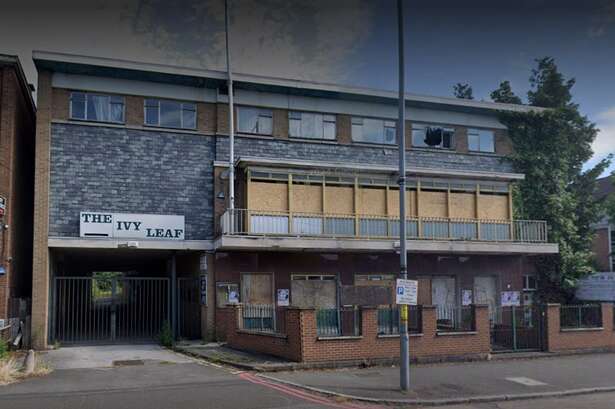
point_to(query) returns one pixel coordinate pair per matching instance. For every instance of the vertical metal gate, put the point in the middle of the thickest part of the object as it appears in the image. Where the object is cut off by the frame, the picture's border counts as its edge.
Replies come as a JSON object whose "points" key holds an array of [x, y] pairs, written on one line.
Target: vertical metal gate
{"points": [[188, 308], [109, 309], [516, 328]]}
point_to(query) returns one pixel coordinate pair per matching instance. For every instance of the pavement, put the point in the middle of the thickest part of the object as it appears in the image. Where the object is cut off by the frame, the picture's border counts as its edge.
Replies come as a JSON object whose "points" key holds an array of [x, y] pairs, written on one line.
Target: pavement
{"points": [[463, 382]]}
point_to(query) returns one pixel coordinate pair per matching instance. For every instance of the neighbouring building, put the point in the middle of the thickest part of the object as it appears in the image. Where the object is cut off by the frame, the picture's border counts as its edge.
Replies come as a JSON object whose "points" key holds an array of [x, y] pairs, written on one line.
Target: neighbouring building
{"points": [[604, 232], [133, 226], [17, 128]]}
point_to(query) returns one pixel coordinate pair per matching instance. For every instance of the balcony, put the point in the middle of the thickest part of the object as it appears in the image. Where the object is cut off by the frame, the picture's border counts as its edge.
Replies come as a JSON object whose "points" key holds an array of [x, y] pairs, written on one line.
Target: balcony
{"points": [[277, 228], [268, 223]]}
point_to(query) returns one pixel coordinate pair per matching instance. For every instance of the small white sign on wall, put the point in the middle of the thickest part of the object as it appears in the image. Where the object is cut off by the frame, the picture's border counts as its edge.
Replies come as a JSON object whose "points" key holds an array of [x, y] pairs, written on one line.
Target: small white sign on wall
{"points": [[511, 298], [131, 226], [283, 297]]}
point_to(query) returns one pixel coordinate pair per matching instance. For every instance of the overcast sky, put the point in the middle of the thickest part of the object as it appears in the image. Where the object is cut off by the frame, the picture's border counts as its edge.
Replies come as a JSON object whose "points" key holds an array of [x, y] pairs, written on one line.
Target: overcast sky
{"points": [[342, 41]]}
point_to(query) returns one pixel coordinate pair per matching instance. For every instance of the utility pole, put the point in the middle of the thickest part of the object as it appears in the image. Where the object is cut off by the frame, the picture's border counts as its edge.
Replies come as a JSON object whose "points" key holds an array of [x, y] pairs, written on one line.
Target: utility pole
{"points": [[231, 114], [404, 339]]}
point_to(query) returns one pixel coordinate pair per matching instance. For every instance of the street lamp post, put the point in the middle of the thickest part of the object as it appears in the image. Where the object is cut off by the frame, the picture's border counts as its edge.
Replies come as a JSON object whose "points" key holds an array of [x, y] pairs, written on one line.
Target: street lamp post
{"points": [[404, 368]]}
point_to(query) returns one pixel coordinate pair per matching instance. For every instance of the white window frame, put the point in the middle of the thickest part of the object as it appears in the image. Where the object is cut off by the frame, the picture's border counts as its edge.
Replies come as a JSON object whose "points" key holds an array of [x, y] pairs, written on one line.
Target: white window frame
{"points": [[325, 119], [85, 107], [526, 286], [423, 128], [480, 133], [262, 113], [312, 277], [386, 124], [183, 105]]}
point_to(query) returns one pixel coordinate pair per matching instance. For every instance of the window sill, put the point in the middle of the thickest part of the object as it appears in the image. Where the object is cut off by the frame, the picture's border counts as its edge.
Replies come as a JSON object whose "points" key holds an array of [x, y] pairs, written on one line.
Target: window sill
{"points": [[310, 140], [411, 335], [262, 333], [340, 338], [170, 128], [91, 122], [131, 127], [452, 334], [581, 329]]}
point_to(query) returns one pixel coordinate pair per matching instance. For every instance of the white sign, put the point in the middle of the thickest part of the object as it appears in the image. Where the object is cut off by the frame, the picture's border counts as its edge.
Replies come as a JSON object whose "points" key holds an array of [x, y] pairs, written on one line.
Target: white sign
{"points": [[511, 298], [466, 297], [597, 287], [283, 297], [131, 226], [233, 297], [406, 292]]}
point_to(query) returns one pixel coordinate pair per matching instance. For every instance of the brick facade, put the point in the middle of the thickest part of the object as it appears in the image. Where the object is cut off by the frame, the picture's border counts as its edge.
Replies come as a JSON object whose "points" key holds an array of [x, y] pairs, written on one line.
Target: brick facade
{"points": [[301, 342], [601, 250]]}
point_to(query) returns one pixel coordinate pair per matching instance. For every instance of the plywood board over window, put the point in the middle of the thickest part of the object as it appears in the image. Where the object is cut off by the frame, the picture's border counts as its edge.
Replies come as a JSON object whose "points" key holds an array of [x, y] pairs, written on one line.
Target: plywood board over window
{"points": [[393, 202], [256, 288], [339, 199], [372, 201], [463, 205], [306, 198], [492, 206], [433, 204], [313, 291], [268, 196]]}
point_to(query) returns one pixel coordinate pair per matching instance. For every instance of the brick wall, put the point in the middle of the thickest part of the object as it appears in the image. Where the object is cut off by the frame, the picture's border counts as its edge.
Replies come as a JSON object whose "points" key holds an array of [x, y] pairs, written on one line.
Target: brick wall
{"points": [[559, 340], [600, 247], [301, 342]]}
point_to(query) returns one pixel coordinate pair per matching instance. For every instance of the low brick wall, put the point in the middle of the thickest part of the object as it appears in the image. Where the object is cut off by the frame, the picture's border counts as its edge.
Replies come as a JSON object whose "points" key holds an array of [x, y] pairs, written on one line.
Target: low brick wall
{"points": [[302, 344], [583, 339]]}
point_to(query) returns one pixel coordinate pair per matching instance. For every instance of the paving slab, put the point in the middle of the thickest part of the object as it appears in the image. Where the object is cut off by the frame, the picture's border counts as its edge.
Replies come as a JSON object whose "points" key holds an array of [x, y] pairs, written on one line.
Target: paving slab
{"points": [[493, 380], [105, 356]]}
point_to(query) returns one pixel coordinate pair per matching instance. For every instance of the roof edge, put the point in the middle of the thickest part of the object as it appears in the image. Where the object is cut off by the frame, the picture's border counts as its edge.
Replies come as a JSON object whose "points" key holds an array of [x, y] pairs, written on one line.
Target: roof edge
{"points": [[13, 60]]}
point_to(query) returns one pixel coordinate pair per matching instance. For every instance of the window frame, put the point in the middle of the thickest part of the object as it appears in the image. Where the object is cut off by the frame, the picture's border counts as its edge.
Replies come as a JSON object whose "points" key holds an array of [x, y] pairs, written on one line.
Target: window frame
{"points": [[326, 119], [181, 113], [526, 278], [386, 124], [477, 132], [260, 115], [109, 103], [424, 127]]}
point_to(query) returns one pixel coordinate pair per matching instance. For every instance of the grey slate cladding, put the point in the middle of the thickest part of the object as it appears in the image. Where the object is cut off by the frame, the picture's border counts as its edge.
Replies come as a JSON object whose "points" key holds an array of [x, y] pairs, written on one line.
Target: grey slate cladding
{"points": [[96, 168], [359, 154]]}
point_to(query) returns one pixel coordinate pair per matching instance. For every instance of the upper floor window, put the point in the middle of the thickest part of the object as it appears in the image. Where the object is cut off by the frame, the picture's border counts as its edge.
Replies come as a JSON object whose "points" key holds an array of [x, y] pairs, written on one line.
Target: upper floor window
{"points": [[170, 114], [430, 136], [97, 107], [481, 140], [311, 125], [255, 120], [373, 130]]}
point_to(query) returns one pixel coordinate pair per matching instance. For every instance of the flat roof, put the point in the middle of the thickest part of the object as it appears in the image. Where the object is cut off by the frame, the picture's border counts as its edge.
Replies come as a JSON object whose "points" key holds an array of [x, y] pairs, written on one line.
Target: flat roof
{"points": [[13, 60], [125, 69]]}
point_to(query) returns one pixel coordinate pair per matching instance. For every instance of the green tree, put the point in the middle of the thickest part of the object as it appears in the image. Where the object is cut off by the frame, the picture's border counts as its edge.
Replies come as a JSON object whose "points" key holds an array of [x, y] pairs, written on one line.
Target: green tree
{"points": [[463, 91], [505, 94], [550, 148]]}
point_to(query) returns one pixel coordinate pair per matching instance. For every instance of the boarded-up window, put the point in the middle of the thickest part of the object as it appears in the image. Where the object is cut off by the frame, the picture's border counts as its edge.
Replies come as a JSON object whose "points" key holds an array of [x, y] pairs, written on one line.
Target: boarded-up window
{"points": [[313, 291], [339, 200], [307, 198], [433, 204], [463, 205], [393, 202], [372, 201], [493, 207], [268, 196], [256, 288]]}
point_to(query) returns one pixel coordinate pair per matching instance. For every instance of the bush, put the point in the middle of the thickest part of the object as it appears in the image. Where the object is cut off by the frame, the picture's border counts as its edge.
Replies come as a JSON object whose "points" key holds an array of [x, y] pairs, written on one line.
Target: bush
{"points": [[166, 335], [4, 349]]}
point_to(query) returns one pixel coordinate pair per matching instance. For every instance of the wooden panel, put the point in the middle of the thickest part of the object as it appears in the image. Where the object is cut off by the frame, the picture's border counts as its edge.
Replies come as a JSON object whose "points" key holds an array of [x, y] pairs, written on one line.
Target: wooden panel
{"points": [[493, 206], [256, 288], [306, 198], [393, 202], [268, 196], [340, 200], [463, 205], [433, 203], [313, 294], [372, 201], [424, 291]]}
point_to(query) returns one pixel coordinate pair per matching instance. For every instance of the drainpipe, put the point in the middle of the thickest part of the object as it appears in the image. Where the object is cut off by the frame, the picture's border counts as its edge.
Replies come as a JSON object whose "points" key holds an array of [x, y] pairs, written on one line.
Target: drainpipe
{"points": [[231, 114]]}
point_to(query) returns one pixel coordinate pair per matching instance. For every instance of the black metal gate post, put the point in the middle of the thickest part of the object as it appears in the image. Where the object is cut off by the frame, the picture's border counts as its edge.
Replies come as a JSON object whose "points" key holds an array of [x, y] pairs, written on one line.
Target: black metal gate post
{"points": [[113, 308]]}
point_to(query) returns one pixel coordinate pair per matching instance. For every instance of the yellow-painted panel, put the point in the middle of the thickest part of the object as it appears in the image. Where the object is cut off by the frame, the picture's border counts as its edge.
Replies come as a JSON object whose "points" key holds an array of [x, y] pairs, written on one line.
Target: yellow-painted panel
{"points": [[393, 202], [463, 205], [268, 196], [306, 198], [339, 199], [433, 204], [493, 207], [372, 201]]}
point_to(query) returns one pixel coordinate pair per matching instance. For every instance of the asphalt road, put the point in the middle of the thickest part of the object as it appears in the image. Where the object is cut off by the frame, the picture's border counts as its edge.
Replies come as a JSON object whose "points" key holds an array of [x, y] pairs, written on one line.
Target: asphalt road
{"points": [[594, 401]]}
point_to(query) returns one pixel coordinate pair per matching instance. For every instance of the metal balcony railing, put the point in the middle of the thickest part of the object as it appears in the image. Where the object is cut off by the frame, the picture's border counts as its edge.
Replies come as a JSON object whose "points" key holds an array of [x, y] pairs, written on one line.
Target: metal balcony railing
{"points": [[270, 223]]}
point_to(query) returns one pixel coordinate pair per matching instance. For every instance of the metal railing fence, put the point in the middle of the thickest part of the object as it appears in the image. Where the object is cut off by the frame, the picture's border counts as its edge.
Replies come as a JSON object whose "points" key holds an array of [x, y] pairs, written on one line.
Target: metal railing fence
{"points": [[338, 322], [453, 318], [388, 320], [581, 316], [272, 223], [262, 318]]}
